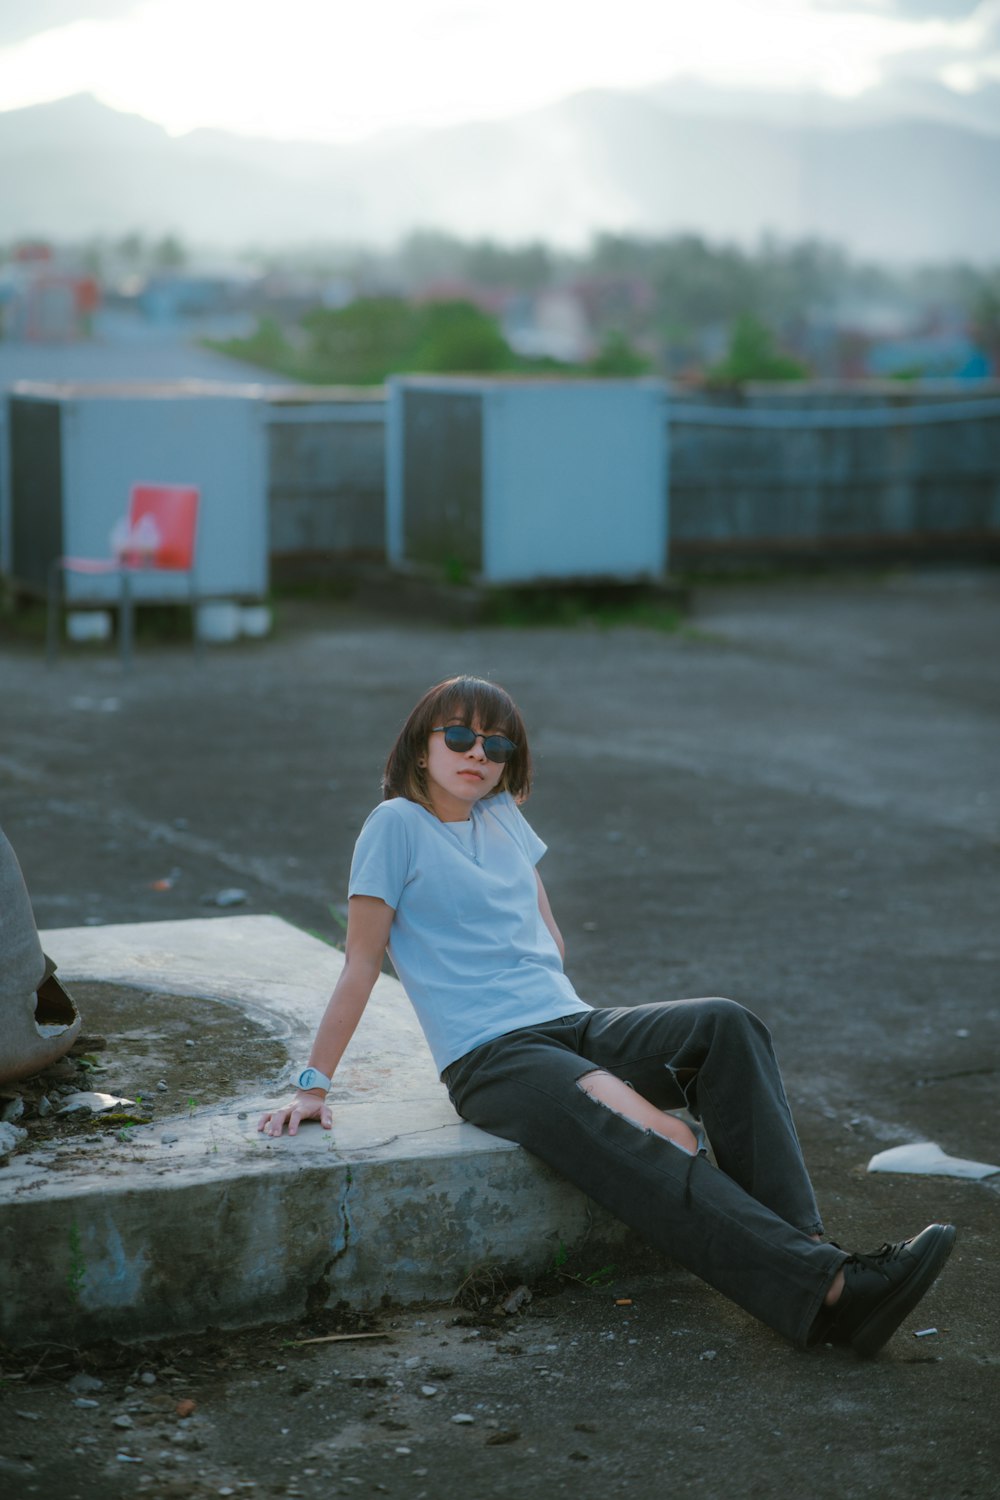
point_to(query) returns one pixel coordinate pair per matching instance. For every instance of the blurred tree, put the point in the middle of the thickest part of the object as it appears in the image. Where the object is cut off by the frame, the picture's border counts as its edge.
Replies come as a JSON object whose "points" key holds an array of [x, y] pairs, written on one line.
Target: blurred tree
{"points": [[754, 356], [699, 284], [523, 268], [359, 344], [362, 343], [984, 318], [617, 356], [169, 254], [131, 247], [269, 348], [457, 337], [430, 255], [92, 256]]}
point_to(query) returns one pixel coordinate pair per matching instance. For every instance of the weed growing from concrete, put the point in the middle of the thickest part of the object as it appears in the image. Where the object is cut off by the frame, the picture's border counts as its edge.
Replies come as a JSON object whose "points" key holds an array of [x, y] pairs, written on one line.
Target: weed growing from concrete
{"points": [[77, 1265]]}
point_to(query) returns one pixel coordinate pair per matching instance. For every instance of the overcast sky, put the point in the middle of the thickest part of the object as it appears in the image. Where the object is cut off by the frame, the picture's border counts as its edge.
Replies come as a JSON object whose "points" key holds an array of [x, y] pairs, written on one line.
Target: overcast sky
{"points": [[342, 69]]}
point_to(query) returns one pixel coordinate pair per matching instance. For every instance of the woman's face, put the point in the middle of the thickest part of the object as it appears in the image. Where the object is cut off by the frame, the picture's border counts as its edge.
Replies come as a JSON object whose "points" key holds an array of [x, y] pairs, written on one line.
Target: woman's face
{"points": [[456, 780]]}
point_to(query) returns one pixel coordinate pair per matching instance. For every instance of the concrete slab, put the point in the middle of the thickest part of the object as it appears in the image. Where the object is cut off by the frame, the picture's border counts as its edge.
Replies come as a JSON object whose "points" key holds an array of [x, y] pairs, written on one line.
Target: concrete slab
{"points": [[200, 1221]]}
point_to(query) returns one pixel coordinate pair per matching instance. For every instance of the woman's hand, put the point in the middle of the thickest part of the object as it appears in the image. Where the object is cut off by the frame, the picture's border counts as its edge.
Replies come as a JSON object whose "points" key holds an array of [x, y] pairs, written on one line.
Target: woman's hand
{"points": [[307, 1105]]}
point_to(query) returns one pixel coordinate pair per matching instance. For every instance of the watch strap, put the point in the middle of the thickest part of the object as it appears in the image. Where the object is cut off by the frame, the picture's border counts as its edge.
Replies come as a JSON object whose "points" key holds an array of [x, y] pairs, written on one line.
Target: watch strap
{"points": [[312, 1078]]}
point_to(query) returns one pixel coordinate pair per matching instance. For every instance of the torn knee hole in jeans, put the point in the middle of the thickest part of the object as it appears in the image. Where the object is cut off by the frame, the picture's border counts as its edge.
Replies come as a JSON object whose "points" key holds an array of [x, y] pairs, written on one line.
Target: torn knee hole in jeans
{"points": [[596, 1079]]}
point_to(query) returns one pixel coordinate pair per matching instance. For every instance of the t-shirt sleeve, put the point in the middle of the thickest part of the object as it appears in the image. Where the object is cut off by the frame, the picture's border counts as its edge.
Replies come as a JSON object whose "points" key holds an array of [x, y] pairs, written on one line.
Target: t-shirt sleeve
{"points": [[381, 863], [519, 827]]}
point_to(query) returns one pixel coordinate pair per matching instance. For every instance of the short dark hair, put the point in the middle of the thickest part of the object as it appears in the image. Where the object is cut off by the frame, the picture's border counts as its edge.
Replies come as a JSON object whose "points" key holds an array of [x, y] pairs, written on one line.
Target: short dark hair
{"points": [[471, 700]]}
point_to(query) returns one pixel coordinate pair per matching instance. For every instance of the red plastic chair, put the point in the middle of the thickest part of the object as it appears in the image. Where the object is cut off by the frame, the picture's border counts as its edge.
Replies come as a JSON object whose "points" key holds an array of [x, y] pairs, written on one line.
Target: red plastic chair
{"points": [[160, 536]]}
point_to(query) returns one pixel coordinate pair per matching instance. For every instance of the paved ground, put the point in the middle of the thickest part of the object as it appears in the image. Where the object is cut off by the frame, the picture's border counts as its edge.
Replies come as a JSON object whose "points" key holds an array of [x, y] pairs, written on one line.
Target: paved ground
{"points": [[795, 803], [125, 347]]}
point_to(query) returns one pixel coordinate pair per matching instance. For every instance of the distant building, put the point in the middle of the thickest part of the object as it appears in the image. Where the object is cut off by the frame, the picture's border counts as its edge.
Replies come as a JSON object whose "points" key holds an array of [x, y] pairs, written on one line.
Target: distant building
{"points": [[550, 324], [933, 356], [43, 301]]}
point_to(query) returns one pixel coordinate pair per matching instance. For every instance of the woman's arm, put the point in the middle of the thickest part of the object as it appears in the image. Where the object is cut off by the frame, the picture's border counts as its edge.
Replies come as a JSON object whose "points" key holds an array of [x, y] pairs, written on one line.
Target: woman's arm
{"points": [[548, 918], [368, 924]]}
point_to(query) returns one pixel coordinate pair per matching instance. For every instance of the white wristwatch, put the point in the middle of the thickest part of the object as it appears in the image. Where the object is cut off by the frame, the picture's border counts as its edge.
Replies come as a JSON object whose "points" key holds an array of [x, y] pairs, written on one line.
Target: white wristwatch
{"points": [[312, 1078]]}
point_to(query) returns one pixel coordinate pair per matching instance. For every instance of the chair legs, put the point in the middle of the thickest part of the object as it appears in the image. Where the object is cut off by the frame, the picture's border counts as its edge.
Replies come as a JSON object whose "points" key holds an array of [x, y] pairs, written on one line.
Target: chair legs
{"points": [[56, 602], [126, 621], [54, 610], [126, 615], [199, 644]]}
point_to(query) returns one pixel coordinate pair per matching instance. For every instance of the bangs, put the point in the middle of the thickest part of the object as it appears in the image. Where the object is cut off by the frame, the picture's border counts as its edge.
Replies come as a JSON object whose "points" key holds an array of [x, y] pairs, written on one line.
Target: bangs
{"points": [[472, 700]]}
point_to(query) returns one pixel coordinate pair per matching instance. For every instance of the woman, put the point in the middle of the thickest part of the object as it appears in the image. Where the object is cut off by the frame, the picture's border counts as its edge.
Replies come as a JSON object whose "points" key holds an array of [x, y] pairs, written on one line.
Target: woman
{"points": [[444, 878]]}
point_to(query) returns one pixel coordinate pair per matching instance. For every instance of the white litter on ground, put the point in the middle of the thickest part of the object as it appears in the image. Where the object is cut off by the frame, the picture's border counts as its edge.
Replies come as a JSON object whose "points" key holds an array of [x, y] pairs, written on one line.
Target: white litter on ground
{"points": [[925, 1158], [97, 1104]]}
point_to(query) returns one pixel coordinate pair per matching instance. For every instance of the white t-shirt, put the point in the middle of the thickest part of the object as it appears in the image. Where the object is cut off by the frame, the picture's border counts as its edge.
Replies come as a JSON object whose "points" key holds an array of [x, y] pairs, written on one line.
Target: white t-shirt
{"points": [[467, 940]]}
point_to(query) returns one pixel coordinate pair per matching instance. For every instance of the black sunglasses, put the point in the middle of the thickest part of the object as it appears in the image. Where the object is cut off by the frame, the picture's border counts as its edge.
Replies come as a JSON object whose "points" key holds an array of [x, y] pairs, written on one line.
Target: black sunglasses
{"points": [[460, 738]]}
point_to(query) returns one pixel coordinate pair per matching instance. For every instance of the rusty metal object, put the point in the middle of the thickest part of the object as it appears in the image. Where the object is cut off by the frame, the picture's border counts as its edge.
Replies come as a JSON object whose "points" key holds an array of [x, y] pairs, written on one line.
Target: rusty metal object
{"points": [[38, 1020]]}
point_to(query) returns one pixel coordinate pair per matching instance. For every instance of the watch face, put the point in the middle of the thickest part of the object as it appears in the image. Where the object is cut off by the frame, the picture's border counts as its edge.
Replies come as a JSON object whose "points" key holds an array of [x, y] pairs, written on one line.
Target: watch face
{"points": [[308, 1078]]}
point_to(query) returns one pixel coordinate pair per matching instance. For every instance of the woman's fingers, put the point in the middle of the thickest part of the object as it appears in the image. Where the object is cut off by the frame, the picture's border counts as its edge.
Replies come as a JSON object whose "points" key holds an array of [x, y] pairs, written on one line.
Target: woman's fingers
{"points": [[273, 1121]]}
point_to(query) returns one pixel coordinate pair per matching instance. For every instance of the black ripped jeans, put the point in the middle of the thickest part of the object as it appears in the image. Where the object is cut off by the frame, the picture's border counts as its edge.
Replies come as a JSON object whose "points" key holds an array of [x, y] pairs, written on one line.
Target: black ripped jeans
{"points": [[742, 1225]]}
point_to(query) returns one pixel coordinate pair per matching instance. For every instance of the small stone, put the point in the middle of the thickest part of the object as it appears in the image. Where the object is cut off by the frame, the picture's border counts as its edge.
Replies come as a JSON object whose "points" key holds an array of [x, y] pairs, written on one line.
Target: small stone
{"points": [[11, 1137], [168, 1139], [85, 1403], [43, 1107], [126, 1458], [13, 1109], [162, 1086], [231, 896], [185, 1408], [428, 1390], [148, 1377], [123, 1421], [519, 1297], [83, 1382], [463, 1418], [708, 1354]]}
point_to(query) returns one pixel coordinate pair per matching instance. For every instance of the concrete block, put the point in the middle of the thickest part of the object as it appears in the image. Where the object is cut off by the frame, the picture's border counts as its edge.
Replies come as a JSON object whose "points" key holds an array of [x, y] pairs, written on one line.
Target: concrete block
{"points": [[224, 1226]]}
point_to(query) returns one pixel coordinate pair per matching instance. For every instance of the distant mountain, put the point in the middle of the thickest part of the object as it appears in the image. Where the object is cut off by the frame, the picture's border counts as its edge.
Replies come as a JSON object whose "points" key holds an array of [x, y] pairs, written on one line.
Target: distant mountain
{"points": [[899, 97], [654, 162]]}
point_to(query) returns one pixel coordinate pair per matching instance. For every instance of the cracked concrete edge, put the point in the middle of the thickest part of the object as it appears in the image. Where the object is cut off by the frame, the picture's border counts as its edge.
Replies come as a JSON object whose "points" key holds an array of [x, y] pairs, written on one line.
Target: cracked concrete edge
{"points": [[225, 1226], [223, 1253]]}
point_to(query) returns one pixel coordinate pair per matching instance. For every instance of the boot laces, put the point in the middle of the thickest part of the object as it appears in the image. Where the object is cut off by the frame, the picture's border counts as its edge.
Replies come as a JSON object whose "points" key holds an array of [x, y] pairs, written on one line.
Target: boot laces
{"points": [[876, 1259]]}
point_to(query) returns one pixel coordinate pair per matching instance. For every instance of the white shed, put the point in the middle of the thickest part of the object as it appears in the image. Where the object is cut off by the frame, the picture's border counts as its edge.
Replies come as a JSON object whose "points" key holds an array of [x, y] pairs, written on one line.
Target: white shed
{"points": [[76, 451], [508, 481]]}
